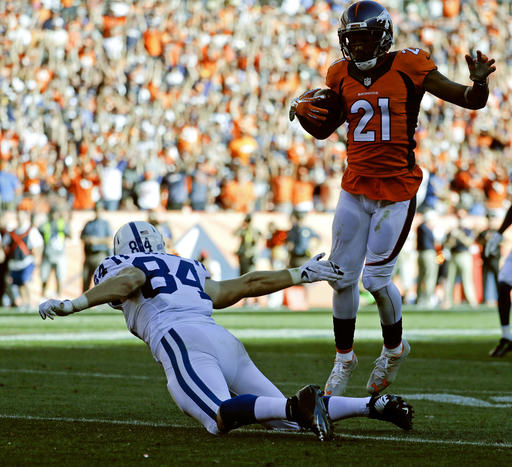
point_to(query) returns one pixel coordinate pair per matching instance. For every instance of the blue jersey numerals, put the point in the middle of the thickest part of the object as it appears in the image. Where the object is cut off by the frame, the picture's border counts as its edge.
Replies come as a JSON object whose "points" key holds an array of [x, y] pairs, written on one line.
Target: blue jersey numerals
{"points": [[160, 280]]}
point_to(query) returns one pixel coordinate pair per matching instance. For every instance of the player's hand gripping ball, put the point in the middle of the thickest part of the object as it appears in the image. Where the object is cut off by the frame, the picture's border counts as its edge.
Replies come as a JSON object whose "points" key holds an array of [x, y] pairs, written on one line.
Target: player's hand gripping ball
{"points": [[320, 112]]}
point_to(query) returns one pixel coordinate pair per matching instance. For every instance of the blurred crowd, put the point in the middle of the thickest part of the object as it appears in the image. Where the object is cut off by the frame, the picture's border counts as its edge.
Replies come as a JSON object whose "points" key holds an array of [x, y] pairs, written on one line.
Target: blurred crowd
{"points": [[183, 104]]}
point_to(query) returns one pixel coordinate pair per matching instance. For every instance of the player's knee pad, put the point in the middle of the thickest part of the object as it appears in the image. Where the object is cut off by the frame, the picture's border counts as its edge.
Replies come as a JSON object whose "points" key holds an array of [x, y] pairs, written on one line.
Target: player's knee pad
{"points": [[374, 282], [347, 281]]}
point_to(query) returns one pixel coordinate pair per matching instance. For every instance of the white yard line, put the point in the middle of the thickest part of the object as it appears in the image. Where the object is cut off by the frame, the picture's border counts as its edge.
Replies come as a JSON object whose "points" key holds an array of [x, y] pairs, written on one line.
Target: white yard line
{"points": [[400, 439], [367, 334]]}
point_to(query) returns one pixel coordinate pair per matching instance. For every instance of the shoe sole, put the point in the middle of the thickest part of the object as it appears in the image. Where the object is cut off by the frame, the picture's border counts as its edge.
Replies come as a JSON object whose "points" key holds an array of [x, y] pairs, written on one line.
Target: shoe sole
{"points": [[322, 425]]}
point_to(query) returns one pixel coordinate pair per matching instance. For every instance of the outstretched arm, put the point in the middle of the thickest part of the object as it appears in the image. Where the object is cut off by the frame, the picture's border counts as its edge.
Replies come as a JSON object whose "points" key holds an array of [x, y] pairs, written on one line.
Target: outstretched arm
{"points": [[256, 283], [474, 97], [116, 288]]}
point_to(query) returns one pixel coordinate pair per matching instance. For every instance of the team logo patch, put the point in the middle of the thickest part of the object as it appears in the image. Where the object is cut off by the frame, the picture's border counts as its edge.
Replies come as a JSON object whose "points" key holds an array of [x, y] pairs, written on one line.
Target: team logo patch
{"points": [[367, 81]]}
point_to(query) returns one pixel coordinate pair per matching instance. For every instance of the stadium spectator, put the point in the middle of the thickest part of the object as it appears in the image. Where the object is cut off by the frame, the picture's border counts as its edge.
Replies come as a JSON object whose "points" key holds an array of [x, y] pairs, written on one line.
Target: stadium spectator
{"points": [[96, 237], [247, 252], [10, 188], [300, 240], [490, 262], [460, 260], [175, 184], [54, 231], [111, 185], [23, 245], [427, 261], [209, 373]]}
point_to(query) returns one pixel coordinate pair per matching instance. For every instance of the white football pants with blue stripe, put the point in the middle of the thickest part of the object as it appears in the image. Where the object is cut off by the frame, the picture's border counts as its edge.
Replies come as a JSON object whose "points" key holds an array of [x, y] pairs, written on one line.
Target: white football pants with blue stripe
{"points": [[205, 365]]}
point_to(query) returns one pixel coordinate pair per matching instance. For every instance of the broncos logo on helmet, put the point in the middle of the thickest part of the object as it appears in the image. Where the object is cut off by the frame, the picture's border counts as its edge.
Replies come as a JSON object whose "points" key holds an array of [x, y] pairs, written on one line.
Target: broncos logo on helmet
{"points": [[365, 33]]}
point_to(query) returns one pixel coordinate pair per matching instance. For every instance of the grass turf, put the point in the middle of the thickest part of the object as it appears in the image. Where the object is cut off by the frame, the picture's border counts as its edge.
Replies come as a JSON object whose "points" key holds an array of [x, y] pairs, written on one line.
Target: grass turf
{"points": [[103, 400]]}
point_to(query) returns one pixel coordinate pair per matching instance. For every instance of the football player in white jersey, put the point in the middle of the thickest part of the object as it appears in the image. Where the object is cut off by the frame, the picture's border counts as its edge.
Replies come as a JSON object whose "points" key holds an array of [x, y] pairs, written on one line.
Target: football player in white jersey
{"points": [[167, 301]]}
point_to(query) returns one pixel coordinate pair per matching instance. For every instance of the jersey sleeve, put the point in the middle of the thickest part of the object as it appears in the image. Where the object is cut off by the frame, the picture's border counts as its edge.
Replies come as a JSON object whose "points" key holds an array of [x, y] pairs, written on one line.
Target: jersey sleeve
{"points": [[416, 63], [110, 267], [335, 74], [202, 272]]}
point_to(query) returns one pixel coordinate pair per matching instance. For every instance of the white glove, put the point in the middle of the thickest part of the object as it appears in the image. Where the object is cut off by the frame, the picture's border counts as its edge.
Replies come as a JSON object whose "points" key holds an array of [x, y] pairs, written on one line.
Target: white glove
{"points": [[315, 270], [492, 245], [52, 307]]}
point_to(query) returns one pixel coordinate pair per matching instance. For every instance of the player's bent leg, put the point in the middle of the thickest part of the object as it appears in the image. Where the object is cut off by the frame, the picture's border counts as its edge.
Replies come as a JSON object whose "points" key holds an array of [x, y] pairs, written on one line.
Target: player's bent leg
{"points": [[249, 379], [194, 380]]}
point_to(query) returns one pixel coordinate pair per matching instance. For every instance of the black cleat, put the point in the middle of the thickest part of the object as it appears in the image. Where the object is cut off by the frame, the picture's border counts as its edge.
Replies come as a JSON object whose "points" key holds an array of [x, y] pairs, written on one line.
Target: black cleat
{"points": [[391, 408], [307, 408], [504, 346]]}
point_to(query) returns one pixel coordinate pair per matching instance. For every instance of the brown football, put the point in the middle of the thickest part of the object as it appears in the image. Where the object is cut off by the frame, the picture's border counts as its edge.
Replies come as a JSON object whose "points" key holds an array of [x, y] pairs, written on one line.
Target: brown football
{"points": [[337, 115]]}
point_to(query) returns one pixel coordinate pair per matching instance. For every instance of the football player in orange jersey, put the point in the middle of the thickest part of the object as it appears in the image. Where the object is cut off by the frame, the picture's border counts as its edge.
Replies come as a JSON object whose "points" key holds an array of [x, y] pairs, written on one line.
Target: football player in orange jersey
{"points": [[381, 91]]}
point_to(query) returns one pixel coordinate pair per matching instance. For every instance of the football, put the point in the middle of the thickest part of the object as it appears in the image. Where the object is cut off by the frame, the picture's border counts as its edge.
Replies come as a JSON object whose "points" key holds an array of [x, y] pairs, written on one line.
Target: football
{"points": [[337, 115]]}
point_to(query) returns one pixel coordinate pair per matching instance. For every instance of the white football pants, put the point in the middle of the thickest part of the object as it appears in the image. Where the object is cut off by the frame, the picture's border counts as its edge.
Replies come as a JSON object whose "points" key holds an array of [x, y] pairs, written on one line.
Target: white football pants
{"points": [[367, 229], [205, 365]]}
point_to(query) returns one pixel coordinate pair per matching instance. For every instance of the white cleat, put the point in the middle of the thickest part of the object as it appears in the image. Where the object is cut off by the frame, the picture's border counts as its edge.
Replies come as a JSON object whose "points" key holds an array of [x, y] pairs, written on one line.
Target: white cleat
{"points": [[386, 369], [337, 382]]}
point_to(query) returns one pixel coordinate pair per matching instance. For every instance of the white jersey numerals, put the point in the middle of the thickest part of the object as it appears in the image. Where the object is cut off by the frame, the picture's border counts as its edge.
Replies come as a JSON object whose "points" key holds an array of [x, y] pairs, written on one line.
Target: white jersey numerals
{"points": [[361, 134]]}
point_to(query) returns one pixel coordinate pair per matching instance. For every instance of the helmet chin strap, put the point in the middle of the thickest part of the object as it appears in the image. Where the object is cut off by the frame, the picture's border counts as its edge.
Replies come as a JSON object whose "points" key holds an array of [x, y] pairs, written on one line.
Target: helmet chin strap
{"points": [[367, 65]]}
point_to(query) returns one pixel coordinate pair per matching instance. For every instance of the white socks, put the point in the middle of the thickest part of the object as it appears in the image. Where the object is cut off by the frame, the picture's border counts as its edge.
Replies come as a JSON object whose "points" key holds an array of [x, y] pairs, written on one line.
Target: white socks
{"points": [[347, 407], [344, 357], [394, 352], [270, 408], [505, 332]]}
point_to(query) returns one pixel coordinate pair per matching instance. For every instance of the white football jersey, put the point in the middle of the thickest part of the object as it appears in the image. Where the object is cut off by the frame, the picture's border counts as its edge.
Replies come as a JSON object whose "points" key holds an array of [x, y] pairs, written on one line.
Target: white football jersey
{"points": [[173, 292]]}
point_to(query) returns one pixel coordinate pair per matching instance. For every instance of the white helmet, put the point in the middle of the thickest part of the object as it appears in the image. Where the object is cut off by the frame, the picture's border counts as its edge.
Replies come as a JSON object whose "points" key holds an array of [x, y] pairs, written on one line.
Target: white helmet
{"points": [[138, 236]]}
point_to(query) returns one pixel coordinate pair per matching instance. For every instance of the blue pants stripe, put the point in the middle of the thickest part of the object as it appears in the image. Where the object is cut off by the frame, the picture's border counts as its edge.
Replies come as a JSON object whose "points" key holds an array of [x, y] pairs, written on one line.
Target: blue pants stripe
{"points": [[188, 366], [181, 380]]}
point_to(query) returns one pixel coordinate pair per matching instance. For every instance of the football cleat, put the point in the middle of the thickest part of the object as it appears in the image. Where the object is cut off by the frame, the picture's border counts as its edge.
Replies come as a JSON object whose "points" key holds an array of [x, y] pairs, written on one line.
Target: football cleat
{"points": [[307, 408], [386, 369], [504, 346], [391, 408], [337, 382]]}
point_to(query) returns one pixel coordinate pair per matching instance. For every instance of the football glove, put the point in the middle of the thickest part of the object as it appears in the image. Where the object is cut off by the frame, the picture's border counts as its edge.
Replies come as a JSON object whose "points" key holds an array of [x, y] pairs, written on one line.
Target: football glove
{"points": [[304, 106], [315, 270], [50, 308], [491, 246], [480, 68]]}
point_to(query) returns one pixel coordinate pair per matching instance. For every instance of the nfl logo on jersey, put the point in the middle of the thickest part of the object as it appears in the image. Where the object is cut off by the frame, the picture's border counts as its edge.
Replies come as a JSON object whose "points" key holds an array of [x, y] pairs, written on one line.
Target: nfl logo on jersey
{"points": [[367, 81]]}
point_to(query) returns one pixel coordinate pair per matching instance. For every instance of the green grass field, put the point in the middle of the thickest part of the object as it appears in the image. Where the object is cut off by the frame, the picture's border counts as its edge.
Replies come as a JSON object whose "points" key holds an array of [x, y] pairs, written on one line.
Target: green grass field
{"points": [[81, 390]]}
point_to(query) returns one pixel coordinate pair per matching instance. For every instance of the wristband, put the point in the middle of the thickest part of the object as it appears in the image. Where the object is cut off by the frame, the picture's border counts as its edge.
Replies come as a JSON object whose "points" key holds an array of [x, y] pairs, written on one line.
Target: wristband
{"points": [[295, 273], [480, 83], [80, 303]]}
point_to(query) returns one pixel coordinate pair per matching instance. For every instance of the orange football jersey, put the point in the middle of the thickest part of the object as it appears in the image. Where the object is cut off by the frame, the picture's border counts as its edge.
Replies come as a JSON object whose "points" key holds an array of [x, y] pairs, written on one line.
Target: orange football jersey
{"points": [[382, 107]]}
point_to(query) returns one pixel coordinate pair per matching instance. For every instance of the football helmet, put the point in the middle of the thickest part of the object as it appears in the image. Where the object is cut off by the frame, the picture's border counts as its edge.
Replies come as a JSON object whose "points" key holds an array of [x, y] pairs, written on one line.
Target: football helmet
{"points": [[138, 237], [365, 33]]}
